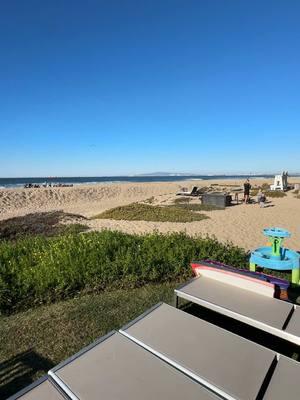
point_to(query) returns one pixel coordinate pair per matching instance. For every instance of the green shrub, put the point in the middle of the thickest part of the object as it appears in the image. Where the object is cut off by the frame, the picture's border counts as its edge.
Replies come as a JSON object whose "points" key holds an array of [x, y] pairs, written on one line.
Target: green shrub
{"points": [[145, 212], [38, 270], [265, 186], [269, 193]]}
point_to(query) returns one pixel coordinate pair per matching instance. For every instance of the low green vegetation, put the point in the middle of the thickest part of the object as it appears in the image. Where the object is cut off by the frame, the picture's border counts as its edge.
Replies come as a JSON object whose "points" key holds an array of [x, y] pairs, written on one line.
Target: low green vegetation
{"points": [[38, 339], [36, 270], [269, 193], [275, 194], [45, 223], [265, 186], [145, 212]]}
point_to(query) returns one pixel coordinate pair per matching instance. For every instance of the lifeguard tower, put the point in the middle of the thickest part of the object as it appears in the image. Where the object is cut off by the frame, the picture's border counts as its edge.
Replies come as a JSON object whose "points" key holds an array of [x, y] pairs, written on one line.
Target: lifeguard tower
{"points": [[280, 182]]}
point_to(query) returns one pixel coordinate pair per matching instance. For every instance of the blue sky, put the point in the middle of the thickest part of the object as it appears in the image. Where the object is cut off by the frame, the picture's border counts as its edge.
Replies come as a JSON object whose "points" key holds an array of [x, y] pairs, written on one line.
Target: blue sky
{"points": [[123, 87]]}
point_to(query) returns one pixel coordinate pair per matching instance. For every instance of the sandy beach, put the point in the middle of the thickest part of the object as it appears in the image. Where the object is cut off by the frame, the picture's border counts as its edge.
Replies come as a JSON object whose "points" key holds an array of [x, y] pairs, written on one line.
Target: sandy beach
{"points": [[241, 224]]}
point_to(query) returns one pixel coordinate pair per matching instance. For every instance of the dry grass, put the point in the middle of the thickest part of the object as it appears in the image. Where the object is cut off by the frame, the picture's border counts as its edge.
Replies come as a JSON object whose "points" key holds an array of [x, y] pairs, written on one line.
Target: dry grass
{"points": [[44, 223]]}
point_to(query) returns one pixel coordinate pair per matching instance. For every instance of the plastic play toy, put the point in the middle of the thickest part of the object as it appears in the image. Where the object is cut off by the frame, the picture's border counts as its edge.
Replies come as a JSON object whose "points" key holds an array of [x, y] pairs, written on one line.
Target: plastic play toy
{"points": [[276, 257]]}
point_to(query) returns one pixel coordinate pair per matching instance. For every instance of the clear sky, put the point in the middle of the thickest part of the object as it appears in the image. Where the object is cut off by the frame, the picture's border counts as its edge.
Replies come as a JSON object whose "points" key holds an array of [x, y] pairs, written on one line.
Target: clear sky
{"points": [[95, 88]]}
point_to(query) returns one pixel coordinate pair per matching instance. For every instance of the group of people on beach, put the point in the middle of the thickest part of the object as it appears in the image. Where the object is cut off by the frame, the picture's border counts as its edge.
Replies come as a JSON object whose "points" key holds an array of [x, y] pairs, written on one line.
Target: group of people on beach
{"points": [[45, 185], [261, 197]]}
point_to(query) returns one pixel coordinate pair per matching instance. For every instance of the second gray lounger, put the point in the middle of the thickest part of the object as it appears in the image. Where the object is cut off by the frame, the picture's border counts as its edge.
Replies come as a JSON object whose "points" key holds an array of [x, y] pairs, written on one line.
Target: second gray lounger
{"points": [[229, 365], [271, 315]]}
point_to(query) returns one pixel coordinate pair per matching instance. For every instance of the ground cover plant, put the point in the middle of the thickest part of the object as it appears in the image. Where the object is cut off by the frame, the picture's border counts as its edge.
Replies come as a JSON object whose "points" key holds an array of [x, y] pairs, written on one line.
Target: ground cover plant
{"points": [[44, 223], [36, 270], [269, 193], [145, 212], [275, 194]]}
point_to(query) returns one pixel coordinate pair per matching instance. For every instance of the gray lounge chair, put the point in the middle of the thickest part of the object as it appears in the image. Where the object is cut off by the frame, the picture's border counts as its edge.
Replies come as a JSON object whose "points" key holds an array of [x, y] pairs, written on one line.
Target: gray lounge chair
{"points": [[230, 366], [257, 309], [168, 354], [193, 192], [115, 368], [43, 389]]}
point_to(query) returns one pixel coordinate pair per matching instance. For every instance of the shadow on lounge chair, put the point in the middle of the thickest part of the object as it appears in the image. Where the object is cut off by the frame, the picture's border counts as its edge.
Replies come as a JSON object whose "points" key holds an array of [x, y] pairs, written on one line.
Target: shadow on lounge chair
{"points": [[193, 192]]}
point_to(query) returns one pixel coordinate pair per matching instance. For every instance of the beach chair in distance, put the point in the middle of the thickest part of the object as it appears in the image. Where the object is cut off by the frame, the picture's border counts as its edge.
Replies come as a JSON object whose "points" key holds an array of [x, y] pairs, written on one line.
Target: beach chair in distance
{"points": [[193, 192]]}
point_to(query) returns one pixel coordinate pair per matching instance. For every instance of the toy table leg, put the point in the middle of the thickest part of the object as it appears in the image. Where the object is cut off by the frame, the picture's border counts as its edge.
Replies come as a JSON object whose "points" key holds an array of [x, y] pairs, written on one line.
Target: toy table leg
{"points": [[252, 267], [296, 276]]}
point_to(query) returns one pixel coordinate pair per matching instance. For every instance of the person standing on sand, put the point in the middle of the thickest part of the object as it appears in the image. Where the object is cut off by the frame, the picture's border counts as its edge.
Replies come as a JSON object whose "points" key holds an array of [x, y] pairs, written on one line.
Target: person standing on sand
{"points": [[247, 188]]}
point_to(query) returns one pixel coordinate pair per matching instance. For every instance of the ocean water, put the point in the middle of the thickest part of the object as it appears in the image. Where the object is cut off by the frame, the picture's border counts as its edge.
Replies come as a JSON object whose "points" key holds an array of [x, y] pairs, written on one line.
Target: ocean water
{"points": [[20, 182]]}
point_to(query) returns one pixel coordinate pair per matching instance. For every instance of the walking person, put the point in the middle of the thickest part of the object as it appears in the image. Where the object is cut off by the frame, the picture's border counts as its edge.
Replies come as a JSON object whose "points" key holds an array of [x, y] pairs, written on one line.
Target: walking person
{"points": [[247, 188]]}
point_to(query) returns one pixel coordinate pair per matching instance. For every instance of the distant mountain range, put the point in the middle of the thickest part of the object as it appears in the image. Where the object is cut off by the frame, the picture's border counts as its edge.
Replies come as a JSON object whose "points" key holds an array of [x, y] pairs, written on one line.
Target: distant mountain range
{"points": [[194, 174], [167, 174]]}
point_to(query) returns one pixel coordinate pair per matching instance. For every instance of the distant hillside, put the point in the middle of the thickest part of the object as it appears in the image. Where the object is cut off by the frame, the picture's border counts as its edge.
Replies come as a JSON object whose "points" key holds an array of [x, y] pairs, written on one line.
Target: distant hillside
{"points": [[167, 174]]}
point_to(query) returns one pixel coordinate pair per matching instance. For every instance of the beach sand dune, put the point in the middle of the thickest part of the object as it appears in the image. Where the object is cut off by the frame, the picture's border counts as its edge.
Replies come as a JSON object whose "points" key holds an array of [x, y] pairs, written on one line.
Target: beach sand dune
{"points": [[241, 224], [85, 199]]}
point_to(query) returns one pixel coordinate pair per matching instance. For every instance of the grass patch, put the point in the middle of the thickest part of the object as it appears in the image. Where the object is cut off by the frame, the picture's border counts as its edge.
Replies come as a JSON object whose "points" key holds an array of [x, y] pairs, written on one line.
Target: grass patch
{"points": [[38, 270], [45, 223], [275, 194], [269, 193], [38, 339], [145, 212]]}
